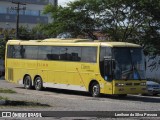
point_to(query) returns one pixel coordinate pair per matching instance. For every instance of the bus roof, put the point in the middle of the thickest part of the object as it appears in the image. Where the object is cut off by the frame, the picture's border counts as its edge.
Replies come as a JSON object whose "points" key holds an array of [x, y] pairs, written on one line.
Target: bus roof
{"points": [[56, 41]]}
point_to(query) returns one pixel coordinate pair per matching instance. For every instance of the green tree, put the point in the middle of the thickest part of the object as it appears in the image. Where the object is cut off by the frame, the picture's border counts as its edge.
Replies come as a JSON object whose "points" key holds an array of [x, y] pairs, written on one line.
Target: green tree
{"points": [[2, 48], [36, 32], [134, 21]]}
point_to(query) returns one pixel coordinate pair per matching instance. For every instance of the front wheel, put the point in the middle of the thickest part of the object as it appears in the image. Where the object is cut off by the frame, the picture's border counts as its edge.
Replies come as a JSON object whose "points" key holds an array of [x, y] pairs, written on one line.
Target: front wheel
{"points": [[95, 89], [38, 84]]}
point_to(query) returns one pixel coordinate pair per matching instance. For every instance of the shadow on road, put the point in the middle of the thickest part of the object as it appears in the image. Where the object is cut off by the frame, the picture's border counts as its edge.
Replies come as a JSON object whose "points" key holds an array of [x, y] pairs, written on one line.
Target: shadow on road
{"points": [[150, 99], [62, 91]]}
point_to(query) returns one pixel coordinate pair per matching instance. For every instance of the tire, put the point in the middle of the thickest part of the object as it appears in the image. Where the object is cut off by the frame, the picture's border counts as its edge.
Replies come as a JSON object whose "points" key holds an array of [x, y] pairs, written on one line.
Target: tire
{"points": [[38, 84], [27, 82], [95, 90]]}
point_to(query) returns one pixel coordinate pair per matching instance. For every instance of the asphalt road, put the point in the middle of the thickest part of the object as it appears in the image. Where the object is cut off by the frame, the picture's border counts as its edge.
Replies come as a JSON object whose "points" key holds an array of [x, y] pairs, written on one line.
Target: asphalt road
{"points": [[65, 100]]}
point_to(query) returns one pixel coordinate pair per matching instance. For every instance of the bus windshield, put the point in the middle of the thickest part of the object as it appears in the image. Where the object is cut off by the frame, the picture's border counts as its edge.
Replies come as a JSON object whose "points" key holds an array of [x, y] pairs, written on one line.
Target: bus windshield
{"points": [[129, 63]]}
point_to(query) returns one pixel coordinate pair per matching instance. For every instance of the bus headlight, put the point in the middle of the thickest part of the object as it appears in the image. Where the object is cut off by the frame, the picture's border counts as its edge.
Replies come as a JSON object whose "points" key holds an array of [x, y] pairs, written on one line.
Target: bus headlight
{"points": [[143, 84], [119, 84]]}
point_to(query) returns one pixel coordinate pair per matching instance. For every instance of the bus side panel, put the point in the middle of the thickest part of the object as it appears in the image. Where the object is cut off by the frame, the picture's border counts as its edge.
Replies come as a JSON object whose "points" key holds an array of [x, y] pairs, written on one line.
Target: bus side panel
{"points": [[13, 70], [30, 68], [45, 69], [82, 74], [42, 70], [60, 72], [72, 72], [52, 72], [18, 68]]}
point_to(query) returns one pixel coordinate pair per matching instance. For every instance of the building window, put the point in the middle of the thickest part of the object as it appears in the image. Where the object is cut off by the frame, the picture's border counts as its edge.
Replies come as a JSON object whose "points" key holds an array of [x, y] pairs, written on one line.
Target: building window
{"points": [[7, 17], [32, 12], [21, 12], [3, 9], [28, 12], [35, 13]]}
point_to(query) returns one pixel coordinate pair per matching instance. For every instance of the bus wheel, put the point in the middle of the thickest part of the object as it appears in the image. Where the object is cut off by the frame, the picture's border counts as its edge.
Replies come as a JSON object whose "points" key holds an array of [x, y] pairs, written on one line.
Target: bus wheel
{"points": [[95, 89], [27, 82], [38, 84]]}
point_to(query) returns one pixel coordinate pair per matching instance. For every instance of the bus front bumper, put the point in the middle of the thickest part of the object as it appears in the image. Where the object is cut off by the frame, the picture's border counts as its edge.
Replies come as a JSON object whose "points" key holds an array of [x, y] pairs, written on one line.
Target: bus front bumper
{"points": [[129, 87]]}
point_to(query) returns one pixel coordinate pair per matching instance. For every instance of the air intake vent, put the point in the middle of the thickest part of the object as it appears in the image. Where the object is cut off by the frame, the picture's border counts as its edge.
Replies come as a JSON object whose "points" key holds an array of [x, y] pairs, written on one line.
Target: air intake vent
{"points": [[10, 74], [128, 84]]}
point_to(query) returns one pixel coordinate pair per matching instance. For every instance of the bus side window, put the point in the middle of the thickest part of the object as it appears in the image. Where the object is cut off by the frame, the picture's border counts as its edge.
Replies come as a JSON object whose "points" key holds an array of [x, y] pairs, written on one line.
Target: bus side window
{"points": [[55, 53], [74, 53], [89, 54]]}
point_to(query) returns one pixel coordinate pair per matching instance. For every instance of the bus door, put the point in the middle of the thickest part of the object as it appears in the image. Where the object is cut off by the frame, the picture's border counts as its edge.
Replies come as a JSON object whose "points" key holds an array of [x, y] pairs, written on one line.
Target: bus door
{"points": [[109, 66]]}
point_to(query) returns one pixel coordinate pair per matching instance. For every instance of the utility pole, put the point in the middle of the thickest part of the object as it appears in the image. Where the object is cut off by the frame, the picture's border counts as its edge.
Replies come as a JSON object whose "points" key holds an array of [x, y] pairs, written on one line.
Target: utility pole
{"points": [[17, 18]]}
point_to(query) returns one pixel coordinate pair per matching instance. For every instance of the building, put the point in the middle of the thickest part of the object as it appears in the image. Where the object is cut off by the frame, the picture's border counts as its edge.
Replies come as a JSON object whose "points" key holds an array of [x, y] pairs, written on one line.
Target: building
{"points": [[153, 67], [29, 16]]}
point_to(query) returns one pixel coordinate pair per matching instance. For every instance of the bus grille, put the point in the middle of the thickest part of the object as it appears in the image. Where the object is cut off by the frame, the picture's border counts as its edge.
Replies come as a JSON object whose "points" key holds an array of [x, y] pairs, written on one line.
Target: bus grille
{"points": [[135, 84], [10, 74], [128, 84]]}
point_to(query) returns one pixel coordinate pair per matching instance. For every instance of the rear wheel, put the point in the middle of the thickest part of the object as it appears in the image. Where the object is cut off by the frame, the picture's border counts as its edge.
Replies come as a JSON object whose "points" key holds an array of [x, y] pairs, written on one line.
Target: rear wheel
{"points": [[38, 84], [27, 82], [95, 89]]}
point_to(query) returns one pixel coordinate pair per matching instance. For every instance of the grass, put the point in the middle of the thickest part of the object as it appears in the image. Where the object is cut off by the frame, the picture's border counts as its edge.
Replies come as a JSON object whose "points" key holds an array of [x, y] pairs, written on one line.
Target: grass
{"points": [[3, 98], [25, 103], [15, 103], [2, 90]]}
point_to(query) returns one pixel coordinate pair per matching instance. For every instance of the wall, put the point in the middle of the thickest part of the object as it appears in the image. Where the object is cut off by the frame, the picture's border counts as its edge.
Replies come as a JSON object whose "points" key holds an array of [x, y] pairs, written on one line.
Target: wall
{"points": [[153, 67]]}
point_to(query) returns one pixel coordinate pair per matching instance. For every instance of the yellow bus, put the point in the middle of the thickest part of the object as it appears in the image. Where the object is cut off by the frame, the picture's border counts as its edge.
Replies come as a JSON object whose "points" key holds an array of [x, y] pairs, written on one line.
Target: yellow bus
{"points": [[115, 68]]}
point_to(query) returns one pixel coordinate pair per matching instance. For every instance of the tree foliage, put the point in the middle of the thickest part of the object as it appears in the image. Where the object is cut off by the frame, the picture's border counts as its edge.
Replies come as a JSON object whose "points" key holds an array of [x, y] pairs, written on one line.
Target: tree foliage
{"points": [[36, 32], [134, 21], [2, 48]]}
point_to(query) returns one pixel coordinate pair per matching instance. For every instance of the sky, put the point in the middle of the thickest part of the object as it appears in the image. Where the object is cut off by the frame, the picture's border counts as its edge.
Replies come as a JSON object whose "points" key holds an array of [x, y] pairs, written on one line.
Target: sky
{"points": [[63, 2]]}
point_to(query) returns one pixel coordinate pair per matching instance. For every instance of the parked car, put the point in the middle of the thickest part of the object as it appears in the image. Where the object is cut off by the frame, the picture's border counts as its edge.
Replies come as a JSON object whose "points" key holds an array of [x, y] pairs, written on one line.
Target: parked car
{"points": [[153, 88]]}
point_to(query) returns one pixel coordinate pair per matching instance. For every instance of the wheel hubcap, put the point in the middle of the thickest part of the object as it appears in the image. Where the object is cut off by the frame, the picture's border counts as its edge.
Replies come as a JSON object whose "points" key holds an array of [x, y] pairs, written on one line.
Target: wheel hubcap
{"points": [[38, 84], [95, 90], [27, 82]]}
